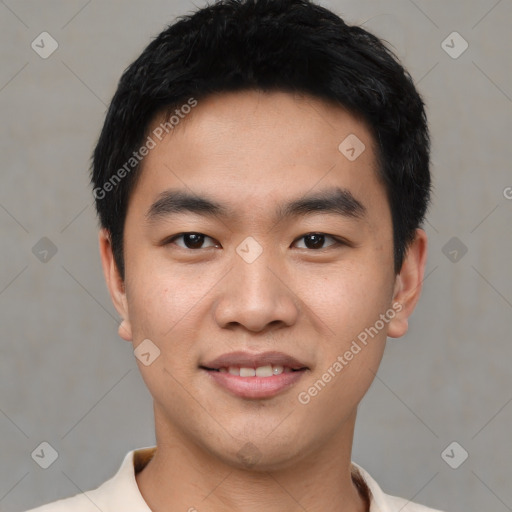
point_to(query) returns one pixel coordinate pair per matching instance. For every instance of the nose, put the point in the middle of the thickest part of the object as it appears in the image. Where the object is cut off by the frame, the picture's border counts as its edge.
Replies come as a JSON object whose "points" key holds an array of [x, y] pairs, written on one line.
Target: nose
{"points": [[256, 295]]}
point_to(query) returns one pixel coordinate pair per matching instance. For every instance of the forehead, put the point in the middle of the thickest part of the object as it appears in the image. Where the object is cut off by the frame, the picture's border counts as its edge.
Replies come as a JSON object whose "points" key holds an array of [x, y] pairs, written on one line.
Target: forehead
{"points": [[249, 149]]}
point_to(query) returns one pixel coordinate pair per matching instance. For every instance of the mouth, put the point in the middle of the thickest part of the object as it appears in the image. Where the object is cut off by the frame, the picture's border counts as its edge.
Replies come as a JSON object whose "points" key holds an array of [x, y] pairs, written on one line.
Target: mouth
{"points": [[247, 364], [260, 371], [254, 376]]}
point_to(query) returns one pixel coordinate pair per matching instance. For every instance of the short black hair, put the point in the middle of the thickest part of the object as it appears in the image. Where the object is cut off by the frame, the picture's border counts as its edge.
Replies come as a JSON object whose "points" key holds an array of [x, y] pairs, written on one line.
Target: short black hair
{"points": [[268, 45]]}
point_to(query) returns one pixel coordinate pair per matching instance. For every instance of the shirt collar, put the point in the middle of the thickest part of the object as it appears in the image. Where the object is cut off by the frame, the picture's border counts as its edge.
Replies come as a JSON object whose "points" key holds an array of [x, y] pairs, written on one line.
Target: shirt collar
{"points": [[123, 488]]}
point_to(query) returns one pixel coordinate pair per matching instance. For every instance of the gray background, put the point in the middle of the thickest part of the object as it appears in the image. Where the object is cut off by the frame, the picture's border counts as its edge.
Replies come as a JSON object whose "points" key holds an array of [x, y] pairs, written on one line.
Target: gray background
{"points": [[65, 376]]}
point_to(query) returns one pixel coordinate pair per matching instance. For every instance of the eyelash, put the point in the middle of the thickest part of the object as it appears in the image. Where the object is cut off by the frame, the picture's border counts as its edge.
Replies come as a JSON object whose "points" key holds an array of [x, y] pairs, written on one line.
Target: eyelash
{"points": [[337, 241]]}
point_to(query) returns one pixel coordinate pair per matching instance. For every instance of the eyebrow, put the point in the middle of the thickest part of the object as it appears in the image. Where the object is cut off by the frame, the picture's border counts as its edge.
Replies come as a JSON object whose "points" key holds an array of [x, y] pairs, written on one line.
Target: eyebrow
{"points": [[336, 201]]}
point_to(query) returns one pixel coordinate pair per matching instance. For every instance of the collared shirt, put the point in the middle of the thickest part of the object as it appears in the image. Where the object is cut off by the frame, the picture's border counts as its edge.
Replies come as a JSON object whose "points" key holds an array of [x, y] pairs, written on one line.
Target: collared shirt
{"points": [[121, 492]]}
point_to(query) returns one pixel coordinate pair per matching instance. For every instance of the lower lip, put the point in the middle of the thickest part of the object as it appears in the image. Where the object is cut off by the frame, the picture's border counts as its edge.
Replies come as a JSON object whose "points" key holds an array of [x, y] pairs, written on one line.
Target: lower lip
{"points": [[256, 387]]}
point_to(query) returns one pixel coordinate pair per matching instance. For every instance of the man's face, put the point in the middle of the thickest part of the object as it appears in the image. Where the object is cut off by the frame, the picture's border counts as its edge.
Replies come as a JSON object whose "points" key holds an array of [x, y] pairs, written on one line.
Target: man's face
{"points": [[257, 281]]}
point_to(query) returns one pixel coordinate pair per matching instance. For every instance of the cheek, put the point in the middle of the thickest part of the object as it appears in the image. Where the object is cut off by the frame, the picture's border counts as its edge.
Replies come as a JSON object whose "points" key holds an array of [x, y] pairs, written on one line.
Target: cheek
{"points": [[350, 308], [152, 308], [162, 308], [161, 298], [347, 299], [349, 304]]}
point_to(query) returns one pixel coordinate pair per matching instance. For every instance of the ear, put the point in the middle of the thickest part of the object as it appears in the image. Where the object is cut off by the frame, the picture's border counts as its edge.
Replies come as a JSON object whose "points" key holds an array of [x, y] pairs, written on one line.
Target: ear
{"points": [[408, 284], [114, 283]]}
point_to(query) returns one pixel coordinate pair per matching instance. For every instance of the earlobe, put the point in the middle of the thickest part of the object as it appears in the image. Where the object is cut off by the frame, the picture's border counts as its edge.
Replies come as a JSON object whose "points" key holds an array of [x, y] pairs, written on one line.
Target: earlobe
{"points": [[124, 330], [408, 284], [114, 283]]}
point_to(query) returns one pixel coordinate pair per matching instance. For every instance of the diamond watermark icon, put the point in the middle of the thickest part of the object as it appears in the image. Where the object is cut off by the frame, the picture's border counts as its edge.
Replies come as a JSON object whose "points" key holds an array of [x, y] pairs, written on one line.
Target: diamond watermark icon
{"points": [[45, 455], [454, 455], [146, 352], [351, 147], [454, 249], [44, 250], [454, 45], [44, 45], [249, 454], [249, 250]]}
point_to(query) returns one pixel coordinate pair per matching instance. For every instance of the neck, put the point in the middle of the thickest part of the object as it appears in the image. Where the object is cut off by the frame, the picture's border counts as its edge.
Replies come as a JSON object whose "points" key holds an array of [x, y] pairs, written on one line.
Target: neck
{"points": [[183, 476]]}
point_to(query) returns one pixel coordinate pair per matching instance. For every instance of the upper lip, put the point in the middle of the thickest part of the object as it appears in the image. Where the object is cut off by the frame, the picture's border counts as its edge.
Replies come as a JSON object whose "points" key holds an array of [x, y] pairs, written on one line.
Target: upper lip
{"points": [[251, 360]]}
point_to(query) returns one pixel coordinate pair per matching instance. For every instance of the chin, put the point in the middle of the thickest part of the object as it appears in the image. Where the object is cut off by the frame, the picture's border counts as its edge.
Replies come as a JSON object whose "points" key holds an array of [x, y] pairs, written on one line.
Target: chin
{"points": [[259, 453]]}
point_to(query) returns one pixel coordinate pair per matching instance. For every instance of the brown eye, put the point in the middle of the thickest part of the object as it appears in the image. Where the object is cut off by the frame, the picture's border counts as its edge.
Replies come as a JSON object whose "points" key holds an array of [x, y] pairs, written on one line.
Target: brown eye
{"points": [[316, 241], [191, 240]]}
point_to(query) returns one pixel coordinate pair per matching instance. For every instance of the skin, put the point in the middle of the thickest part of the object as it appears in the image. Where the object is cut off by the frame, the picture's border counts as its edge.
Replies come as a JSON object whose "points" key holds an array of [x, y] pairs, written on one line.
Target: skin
{"points": [[252, 151]]}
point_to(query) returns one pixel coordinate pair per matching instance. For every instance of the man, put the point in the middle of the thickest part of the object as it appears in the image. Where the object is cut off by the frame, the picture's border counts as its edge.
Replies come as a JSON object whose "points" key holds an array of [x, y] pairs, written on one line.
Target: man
{"points": [[261, 178]]}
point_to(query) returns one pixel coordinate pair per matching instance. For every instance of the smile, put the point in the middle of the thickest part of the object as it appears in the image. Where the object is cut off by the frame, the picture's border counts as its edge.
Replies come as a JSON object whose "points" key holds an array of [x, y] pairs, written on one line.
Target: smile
{"points": [[255, 383], [260, 371]]}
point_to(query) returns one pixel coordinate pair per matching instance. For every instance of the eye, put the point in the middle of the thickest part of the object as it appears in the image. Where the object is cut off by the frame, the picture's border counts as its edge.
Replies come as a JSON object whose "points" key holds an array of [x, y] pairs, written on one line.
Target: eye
{"points": [[194, 240], [191, 240], [316, 240]]}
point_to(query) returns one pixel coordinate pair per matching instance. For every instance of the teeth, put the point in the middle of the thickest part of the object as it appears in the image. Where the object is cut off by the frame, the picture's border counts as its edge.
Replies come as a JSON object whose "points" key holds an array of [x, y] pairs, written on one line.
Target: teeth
{"points": [[261, 371], [247, 372]]}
